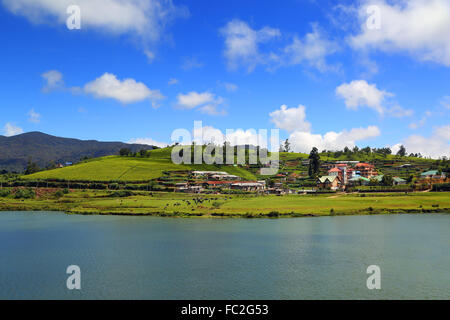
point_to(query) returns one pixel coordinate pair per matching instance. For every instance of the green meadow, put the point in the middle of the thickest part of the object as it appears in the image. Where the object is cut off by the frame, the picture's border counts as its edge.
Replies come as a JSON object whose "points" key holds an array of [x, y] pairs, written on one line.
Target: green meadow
{"points": [[248, 206], [116, 168]]}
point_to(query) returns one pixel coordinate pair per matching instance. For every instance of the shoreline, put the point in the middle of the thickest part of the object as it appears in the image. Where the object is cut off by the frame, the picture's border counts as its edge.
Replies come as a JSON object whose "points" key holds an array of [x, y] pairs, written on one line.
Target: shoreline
{"points": [[241, 216]]}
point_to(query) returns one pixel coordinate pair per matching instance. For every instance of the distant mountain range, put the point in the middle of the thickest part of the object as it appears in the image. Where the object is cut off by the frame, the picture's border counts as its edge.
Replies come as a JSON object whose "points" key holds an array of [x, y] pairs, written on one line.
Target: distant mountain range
{"points": [[43, 148]]}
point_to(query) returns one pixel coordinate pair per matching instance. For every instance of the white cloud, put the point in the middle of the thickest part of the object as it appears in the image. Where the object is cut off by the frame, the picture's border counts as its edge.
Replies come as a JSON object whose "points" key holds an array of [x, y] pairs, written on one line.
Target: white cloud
{"points": [[207, 101], [53, 80], [173, 81], [398, 112], [305, 141], [148, 141], [435, 146], [359, 93], [418, 27], [313, 50], [10, 130], [209, 134], [194, 99], [125, 91], [145, 18], [243, 48], [242, 44], [293, 119], [34, 117]]}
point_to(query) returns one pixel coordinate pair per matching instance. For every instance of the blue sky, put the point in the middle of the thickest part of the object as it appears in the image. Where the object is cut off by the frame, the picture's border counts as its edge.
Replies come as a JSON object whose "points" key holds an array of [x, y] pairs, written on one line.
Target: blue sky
{"points": [[137, 70]]}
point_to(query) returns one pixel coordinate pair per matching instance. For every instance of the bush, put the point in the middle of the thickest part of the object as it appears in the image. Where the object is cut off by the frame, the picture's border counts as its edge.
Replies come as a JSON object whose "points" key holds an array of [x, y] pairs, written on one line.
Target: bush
{"points": [[58, 194], [66, 191], [4, 193], [25, 194], [121, 194]]}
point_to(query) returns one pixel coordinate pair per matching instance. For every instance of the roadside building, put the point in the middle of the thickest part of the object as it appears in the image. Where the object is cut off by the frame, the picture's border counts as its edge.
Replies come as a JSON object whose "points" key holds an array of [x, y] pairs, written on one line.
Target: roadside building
{"points": [[329, 182]]}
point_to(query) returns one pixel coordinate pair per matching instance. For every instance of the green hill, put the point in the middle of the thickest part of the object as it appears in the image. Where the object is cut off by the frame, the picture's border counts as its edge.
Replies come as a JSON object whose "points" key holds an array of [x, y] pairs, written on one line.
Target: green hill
{"points": [[117, 168], [156, 162]]}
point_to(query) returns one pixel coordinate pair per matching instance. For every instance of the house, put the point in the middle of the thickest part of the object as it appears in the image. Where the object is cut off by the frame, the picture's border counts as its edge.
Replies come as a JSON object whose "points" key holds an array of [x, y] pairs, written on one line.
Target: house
{"points": [[358, 180], [248, 186], [329, 182], [207, 174], [366, 170], [432, 177], [399, 181], [185, 187], [432, 174], [229, 177], [218, 184]]}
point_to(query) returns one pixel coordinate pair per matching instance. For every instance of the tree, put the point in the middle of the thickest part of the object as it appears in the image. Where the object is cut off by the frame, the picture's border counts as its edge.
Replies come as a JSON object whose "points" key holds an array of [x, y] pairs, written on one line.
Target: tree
{"points": [[142, 152], [124, 152], [287, 146], [402, 151], [314, 162], [387, 180], [32, 167]]}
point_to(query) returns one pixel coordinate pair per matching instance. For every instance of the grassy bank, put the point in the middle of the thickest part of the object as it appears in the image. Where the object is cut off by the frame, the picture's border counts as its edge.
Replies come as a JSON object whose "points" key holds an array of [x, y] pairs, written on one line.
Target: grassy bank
{"points": [[246, 206]]}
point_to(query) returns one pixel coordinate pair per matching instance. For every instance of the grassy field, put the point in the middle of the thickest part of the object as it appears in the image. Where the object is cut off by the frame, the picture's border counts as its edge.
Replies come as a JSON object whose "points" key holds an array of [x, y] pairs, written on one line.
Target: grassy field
{"points": [[185, 205], [116, 168]]}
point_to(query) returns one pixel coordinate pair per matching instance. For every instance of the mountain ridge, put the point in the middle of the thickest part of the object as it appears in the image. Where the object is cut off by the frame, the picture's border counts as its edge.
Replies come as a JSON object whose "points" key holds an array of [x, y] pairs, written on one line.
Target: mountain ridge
{"points": [[42, 148]]}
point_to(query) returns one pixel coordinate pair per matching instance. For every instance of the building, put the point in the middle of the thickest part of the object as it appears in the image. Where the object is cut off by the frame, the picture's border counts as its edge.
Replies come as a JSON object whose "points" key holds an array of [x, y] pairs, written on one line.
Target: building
{"points": [[358, 180], [249, 186], [229, 177], [186, 188], [366, 170], [207, 174], [329, 182]]}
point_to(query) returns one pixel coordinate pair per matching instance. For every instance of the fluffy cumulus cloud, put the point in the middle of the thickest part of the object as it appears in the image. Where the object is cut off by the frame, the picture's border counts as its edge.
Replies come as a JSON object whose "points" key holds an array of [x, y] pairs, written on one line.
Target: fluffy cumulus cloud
{"points": [[244, 48], [417, 27], [206, 102], [303, 140], [208, 134], [312, 50], [242, 43], [436, 145], [359, 93], [10, 130], [126, 91], [145, 18], [291, 119], [148, 141]]}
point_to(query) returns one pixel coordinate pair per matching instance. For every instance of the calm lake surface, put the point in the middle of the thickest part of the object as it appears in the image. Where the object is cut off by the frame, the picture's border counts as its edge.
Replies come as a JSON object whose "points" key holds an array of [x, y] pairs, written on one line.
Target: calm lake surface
{"points": [[165, 258]]}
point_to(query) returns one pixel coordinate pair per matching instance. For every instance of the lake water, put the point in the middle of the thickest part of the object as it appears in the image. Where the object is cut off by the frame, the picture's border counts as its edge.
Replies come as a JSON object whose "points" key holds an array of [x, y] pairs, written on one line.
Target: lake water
{"points": [[165, 258]]}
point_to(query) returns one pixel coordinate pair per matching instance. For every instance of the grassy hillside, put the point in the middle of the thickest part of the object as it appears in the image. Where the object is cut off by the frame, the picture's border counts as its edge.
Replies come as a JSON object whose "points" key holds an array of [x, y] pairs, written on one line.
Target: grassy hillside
{"points": [[118, 168], [156, 162]]}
